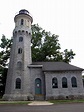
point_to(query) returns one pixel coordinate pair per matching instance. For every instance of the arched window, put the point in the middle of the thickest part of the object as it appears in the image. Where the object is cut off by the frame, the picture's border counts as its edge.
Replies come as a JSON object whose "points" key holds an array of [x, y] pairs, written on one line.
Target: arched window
{"points": [[83, 82], [19, 50], [20, 39], [54, 83], [18, 83], [22, 21], [19, 64], [74, 82], [64, 82]]}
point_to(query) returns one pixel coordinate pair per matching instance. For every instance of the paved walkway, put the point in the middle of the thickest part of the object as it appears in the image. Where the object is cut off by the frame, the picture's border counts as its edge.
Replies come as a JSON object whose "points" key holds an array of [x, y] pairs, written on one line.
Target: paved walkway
{"points": [[40, 103]]}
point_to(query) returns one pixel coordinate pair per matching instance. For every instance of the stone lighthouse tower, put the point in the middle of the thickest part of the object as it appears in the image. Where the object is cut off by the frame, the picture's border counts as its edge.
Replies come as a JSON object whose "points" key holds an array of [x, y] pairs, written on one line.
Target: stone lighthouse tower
{"points": [[18, 78]]}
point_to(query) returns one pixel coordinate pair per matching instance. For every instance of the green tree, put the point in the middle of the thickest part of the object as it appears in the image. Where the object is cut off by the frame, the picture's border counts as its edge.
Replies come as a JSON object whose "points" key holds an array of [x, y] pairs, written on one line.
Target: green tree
{"points": [[45, 47], [4, 60], [5, 51], [3, 75]]}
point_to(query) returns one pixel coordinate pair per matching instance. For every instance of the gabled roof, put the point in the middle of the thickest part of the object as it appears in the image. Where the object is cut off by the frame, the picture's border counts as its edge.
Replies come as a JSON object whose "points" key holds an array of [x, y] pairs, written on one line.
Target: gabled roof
{"points": [[57, 66]]}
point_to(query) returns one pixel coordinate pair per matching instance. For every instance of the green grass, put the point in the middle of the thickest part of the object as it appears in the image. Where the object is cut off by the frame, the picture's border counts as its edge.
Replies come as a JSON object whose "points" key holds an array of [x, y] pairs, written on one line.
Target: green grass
{"points": [[51, 101], [66, 101], [15, 102]]}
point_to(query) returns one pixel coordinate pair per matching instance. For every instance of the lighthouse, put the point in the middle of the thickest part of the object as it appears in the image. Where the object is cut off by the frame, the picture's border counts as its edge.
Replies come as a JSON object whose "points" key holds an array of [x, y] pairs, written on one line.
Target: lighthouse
{"points": [[18, 77], [27, 80]]}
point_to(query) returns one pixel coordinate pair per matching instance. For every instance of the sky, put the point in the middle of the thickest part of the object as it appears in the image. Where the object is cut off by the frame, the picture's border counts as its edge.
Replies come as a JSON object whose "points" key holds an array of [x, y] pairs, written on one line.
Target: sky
{"points": [[61, 17]]}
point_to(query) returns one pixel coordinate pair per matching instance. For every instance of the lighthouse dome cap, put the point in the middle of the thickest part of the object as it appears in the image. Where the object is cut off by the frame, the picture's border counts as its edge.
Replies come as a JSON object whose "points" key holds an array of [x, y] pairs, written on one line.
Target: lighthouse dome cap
{"points": [[23, 11]]}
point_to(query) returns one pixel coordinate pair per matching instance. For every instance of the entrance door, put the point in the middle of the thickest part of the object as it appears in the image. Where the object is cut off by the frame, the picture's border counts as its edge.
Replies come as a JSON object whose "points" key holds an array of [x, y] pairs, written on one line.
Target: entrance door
{"points": [[38, 88]]}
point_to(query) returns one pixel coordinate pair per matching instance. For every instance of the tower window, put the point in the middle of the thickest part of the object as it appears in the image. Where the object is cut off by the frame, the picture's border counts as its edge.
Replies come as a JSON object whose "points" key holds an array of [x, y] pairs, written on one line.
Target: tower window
{"points": [[19, 64], [22, 21], [20, 39], [19, 50], [18, 83]]}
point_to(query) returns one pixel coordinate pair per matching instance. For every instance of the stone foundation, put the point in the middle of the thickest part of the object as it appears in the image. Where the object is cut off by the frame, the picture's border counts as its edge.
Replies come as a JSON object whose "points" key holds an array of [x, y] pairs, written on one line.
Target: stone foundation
{"points": [[61, 97], [19, 97]]}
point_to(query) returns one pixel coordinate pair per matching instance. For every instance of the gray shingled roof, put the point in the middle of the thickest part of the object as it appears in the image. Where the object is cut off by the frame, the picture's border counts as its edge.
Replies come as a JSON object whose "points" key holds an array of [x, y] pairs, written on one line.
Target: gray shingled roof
{"points": [[57, 66]]}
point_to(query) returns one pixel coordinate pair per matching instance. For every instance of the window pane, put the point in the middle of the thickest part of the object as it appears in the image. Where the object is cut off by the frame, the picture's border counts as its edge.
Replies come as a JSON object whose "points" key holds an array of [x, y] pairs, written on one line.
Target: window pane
{"points": [[19, 50], [74, 82], [54, 83], [22, 21], [18, 83], [64, 82], [20, 39], [83, 82]]}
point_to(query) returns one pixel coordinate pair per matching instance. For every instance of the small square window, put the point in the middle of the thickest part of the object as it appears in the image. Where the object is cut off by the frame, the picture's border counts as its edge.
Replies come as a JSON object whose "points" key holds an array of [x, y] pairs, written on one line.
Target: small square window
{"points": [[20, 39]]}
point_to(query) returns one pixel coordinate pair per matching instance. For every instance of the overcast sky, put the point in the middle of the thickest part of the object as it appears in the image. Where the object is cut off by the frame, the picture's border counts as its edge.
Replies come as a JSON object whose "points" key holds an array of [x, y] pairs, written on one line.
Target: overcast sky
{"points": [[61, 17]]}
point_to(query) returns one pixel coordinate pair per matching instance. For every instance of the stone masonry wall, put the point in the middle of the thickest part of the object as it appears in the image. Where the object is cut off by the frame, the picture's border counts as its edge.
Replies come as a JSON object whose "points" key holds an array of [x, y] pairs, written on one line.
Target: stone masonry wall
{"points": [[64, 93]]}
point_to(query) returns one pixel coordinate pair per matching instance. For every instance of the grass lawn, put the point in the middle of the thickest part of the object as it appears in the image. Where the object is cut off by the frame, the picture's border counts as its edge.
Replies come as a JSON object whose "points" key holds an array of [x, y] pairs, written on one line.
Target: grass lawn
{"points": [[51, 101], [14, 102], [67, 101]]}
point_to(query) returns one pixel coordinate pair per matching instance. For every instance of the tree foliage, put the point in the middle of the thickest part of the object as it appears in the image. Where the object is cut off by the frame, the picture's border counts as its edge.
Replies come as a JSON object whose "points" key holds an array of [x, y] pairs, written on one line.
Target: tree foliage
{"points": [[3, 75], [5, 50], [4, 60], [45, 47]]}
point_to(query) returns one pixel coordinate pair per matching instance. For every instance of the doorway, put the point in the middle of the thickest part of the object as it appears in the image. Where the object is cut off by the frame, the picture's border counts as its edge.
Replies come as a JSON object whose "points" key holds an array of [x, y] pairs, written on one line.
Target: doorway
{"points": [[38, 86]]}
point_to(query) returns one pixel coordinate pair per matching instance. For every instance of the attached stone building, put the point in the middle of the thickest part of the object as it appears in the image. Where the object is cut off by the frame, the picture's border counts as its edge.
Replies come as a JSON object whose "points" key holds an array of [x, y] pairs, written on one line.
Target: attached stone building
{"points": [[27, 80], [58, 80]]}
